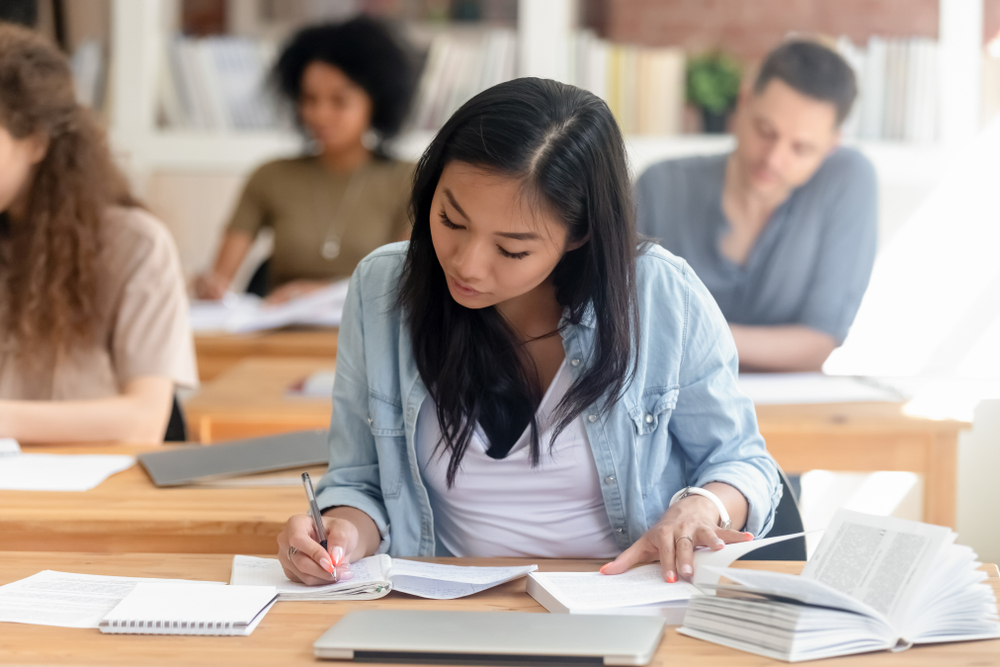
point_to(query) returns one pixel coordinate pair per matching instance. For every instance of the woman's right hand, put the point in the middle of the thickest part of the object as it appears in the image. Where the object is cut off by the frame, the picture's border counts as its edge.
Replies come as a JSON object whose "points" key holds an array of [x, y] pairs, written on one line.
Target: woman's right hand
{"points": [[309, 563], [210, 285]]}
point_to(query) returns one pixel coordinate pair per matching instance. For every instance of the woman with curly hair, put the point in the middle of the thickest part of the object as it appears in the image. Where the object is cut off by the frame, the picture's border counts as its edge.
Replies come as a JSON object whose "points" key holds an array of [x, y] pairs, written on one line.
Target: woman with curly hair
{"points": [[351, 85], [94, 332]]}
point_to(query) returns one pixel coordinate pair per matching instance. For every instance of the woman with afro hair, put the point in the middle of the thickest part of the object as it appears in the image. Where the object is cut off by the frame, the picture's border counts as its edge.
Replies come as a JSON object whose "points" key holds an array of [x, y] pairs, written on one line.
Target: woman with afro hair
{"points": [[351, 84]]}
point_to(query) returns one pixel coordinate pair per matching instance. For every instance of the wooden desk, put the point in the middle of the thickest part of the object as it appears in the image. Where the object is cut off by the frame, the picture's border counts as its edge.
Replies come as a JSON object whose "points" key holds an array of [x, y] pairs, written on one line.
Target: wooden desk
{"points": [[251, 399], [218, 352], [863, 437], [127, 513], [849, 437], [286, 634]]}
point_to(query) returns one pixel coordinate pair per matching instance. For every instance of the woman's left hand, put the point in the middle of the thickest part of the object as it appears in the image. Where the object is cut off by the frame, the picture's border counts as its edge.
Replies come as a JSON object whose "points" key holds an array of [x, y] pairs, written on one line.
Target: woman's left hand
{"points": [[690, 522]]}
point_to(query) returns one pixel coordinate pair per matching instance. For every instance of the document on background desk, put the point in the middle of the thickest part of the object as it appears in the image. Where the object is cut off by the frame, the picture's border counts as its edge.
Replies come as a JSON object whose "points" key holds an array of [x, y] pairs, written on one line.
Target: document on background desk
{"points": [[59, 472], [806, 388], [375, 576], [243, 313], [69, 600]]}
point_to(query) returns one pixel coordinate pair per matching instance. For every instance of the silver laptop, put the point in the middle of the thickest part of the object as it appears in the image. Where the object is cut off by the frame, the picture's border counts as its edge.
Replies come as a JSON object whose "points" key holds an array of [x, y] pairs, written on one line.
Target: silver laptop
{"points": [[491, 638], [198, 463]]}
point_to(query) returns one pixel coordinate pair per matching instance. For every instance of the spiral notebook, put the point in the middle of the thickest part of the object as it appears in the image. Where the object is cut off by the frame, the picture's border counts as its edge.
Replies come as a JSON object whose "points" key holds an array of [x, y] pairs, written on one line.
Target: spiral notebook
{"points": [[190, 609]]}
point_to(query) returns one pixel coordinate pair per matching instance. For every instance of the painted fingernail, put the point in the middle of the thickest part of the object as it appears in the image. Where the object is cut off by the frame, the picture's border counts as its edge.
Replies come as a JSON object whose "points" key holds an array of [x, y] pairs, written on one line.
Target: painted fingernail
{"points": [[749, 536], [686, 570], [326, 565], [671, 578], [604, 567], [338, 555]]}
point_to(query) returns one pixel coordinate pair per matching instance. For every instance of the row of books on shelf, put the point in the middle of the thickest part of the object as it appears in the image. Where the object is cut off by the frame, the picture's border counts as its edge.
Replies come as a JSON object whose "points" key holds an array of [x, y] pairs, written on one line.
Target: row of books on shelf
{"points": [[899, 96], [219, 83], [643, 86]]}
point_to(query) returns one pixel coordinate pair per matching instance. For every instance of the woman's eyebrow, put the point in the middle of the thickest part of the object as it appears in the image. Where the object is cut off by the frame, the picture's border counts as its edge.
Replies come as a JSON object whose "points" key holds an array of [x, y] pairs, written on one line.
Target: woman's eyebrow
{"points": [[517, 236], [451, 198]]}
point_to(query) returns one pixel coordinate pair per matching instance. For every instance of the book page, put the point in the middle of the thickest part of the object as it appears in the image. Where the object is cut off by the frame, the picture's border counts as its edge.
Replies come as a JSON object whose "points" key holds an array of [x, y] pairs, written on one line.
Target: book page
{"points": [[881, 561], [592, 590], [69, 600], [447, 582]]}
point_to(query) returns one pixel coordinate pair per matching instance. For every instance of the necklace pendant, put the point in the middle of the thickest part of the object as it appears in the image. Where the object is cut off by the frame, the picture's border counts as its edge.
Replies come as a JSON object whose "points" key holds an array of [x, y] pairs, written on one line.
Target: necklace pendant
{"points": [[331, 249]]}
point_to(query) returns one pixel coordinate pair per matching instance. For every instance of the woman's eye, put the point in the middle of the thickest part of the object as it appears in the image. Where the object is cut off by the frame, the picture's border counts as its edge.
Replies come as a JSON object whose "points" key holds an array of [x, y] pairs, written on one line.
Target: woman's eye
{"points": [[512, 255], [448, 223]]}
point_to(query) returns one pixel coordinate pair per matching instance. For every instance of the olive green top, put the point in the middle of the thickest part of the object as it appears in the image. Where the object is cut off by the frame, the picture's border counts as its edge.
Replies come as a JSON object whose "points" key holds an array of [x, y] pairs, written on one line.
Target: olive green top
{"points": [[308, 205]]}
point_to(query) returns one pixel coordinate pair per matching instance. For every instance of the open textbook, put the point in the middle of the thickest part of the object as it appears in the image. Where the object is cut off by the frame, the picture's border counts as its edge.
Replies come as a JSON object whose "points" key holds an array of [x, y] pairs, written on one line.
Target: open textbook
{"points": [[874, 583], [639, 592], [375, 576]]}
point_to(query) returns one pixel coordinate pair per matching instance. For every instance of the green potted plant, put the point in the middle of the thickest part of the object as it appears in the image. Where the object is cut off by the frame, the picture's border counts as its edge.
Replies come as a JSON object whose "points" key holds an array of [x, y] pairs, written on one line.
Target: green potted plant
{"points": [[713, 84]]}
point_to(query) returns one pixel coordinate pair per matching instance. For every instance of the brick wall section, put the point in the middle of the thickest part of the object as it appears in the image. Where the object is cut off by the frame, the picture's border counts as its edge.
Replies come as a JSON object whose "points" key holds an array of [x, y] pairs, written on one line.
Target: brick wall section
{"points": [[750, 28]]}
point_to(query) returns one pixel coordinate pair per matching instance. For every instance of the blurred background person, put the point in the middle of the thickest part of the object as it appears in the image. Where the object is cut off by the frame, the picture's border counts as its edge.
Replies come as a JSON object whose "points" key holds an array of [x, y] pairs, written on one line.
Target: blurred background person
{"points": [[782, 230], [94, 330], [351, 84]]}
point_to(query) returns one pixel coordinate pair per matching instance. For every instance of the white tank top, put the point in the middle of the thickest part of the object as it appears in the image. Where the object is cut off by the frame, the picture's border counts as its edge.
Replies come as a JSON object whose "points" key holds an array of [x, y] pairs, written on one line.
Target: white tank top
{"points": [[506, 507]]}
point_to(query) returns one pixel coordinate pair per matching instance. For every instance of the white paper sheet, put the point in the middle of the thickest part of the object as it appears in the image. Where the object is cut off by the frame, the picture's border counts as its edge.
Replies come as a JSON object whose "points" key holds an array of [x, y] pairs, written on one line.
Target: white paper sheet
{"points": [[803, 388], [643, 585], [68, 600], [429, 580], [59, 472], [241, 313], [186, 609]]}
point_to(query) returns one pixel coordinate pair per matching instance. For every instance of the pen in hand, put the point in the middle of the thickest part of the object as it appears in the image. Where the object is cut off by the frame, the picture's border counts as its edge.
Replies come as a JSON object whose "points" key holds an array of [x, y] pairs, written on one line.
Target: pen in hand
{"points": [[318, 520]]}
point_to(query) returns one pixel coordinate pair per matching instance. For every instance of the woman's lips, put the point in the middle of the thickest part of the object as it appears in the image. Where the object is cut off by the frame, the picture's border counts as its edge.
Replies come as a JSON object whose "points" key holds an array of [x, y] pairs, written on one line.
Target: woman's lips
{"points": [[462, 289]]}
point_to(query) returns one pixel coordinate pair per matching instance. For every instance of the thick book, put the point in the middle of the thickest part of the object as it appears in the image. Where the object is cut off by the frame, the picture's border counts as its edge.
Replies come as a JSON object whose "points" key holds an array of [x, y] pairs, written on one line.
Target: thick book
{"points": [[190, 609], [639, 592], [874, 583], [375, 576]]}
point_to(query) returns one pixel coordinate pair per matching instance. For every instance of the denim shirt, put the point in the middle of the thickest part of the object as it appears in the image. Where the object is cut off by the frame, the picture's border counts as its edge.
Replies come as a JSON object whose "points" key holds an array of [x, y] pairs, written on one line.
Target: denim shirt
{"points": [[681, 422]]}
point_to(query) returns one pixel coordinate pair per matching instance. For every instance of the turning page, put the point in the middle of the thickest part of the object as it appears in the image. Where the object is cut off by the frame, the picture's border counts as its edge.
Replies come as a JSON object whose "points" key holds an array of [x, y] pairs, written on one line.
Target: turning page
{"points": [[878, 560]]}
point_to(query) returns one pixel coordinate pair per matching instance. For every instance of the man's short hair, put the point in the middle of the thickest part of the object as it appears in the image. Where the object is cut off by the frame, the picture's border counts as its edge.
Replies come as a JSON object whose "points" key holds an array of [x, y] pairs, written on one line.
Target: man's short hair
{"points": [[813, 70]]}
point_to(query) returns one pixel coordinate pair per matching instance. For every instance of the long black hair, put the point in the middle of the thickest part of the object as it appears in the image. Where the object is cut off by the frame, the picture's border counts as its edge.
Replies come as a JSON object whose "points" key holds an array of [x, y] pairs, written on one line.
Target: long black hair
{"points": [[565, 147]]}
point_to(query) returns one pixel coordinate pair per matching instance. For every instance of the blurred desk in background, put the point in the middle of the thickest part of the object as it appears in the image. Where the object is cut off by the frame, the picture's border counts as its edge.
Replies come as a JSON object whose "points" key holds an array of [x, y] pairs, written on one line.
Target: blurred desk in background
{"points": [[126, 513], [219, 352], [252, 399], [867, 437]]}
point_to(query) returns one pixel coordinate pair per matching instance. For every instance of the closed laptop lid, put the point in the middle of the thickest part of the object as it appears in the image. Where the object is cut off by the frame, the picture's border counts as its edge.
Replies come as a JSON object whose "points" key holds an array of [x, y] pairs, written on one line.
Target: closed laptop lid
{"points": [[509, 638], [184, 465]]}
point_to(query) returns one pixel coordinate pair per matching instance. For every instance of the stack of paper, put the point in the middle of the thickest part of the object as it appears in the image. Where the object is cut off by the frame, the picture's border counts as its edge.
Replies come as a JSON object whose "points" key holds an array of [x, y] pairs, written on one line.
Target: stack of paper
{"points": [[242, 313]]}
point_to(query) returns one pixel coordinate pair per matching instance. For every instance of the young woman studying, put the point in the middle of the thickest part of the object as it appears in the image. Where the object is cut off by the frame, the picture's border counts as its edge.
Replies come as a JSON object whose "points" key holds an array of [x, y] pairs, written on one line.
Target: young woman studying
{"points": [[520, 379], [94, 329], [351, 85]]}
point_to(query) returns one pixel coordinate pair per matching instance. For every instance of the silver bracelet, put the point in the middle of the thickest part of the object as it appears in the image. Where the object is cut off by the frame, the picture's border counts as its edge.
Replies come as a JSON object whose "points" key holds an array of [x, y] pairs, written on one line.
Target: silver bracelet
{"points": [[724, 521]]}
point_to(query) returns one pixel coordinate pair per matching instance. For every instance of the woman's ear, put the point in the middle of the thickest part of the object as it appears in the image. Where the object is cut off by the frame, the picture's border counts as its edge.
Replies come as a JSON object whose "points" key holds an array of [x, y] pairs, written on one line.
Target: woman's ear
{"points": [[38, 147], [575, 245]]}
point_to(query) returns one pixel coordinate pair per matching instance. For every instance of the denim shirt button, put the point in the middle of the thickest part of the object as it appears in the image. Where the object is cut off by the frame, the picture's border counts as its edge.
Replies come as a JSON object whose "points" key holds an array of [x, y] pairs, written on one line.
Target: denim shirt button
{"points": [[575, 362], [592, 418], [610, 479], [619, 530], [369, 421], [649, 419]]}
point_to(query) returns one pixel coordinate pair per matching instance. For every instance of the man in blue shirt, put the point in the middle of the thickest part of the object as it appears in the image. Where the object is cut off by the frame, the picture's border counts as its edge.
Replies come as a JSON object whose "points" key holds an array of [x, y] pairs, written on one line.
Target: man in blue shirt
{"points": [[782, 230]]}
